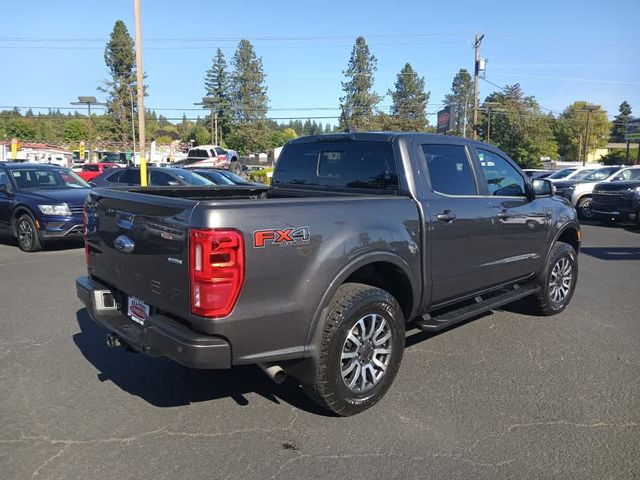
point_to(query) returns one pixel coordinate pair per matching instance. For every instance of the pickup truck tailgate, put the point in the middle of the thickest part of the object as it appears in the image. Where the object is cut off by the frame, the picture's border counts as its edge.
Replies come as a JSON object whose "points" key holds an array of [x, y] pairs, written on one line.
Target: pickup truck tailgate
{"points": [[138, 244]]}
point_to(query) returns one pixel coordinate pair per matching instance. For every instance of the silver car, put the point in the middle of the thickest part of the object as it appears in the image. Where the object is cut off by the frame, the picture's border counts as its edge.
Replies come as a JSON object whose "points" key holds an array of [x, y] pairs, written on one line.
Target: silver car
{"points": [[579, 191]]}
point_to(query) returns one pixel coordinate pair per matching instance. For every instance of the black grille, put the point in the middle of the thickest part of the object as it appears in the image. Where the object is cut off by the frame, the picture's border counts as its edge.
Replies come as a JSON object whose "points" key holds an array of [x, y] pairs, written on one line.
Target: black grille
{"points": [[603, 198]]}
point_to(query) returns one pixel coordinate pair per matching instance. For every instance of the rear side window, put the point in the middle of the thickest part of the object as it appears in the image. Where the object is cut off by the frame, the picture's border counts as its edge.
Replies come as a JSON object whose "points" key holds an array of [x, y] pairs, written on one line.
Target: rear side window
{"points": [[361, 165], [449, 169], [128, 176]]}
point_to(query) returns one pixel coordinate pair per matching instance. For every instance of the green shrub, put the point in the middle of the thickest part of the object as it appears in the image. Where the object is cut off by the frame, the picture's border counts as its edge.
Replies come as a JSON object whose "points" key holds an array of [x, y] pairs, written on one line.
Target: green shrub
{"points": [[261, 176]]}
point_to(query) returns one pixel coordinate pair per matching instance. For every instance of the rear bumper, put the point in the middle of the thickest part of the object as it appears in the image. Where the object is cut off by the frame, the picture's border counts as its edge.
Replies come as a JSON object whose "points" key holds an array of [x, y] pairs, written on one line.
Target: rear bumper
{"points": [[159, 337]]}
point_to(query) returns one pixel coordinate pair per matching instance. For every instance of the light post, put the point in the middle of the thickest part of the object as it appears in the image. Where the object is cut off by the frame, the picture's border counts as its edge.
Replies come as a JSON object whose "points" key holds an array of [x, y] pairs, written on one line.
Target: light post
{"points": [[589, 108], [211, 103], [88, 101]]}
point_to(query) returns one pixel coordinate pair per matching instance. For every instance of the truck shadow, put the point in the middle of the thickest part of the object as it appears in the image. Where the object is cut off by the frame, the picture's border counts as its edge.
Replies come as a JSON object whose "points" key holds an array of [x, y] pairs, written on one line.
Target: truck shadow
{"points": [[164, 383], [612, 253]]}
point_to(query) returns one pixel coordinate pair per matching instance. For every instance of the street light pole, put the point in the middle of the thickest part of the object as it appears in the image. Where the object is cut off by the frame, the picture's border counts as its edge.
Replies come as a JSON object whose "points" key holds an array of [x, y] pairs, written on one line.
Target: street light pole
{"points": [[88, 101]]}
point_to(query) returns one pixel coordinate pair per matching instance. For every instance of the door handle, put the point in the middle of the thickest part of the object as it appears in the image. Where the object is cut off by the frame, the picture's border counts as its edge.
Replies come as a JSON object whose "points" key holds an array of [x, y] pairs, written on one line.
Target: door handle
{"points": [[548, 213], [446, 216], [503, 215]]}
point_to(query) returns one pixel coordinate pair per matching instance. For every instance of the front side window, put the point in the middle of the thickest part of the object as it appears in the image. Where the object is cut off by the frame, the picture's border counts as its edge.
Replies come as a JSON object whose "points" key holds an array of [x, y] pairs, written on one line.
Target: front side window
{"points": [[503, 179], [626, 175], [157, 178], [449, 169], [4, 181], [131, 177]]}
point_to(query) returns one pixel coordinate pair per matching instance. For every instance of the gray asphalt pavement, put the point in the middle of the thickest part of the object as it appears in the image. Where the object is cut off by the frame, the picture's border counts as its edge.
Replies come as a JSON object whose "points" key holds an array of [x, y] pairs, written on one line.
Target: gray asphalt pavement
{"points": [[504, 396]]}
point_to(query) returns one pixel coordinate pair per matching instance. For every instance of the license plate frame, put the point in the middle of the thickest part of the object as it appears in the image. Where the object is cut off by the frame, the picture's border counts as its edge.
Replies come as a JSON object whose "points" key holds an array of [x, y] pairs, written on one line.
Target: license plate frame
{"points": [[137, 310]]}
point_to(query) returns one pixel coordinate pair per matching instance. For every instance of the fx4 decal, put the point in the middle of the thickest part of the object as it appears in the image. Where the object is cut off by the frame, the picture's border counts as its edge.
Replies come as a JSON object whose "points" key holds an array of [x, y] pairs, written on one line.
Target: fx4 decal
{"points": [[286, 237]]}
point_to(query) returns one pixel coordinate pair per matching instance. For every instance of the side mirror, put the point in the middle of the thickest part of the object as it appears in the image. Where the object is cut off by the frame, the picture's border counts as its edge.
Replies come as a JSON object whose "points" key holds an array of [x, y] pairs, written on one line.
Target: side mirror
{"points": [[4, 189], [543, 187]]}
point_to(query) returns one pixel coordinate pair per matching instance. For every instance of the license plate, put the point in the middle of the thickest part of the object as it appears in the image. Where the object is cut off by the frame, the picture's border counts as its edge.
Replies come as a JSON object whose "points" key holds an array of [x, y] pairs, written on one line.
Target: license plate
{"points": [[137, 310]]}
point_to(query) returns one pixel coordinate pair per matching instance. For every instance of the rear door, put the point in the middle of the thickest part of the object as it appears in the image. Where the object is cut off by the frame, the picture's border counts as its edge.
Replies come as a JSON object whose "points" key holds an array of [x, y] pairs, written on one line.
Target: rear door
{"points": [[460, 229], [138, 243], [6, 200]]}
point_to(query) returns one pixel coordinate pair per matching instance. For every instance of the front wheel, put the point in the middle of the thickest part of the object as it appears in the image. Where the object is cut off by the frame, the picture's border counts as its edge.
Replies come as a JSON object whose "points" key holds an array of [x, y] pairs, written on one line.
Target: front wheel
{"points": [[558, 281], [584, 209], [27, 234], [360, 351]]}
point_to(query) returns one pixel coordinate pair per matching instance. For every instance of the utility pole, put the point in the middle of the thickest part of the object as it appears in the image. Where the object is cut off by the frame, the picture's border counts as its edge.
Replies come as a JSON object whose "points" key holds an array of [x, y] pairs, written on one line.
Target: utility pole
{"points": [[476, 46], [211, 103], [140, 80], [589, 109]]}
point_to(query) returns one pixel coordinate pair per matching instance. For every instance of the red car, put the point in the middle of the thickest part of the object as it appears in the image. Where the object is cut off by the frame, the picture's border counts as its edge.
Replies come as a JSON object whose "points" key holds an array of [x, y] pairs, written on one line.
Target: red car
{"points": [[92, 170]]}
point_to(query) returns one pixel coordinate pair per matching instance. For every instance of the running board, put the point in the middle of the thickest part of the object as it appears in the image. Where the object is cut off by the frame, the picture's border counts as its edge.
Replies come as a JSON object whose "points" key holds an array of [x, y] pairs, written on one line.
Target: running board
{"points": [[482, 303]]}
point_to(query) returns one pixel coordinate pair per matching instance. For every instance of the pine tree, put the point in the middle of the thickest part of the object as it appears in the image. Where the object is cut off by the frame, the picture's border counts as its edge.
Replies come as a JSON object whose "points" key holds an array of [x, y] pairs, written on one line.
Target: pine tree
{"points": [[217, 86], [619, 125], [359, 102], [461, 95], [249, 94], [120, 58], [409, 101]]}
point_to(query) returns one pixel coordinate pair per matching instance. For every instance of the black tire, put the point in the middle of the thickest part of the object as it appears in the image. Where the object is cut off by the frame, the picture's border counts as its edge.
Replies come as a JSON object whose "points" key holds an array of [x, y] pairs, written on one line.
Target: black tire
{"points": [[235, 167], [544, 302], [584, 209], [27, 234], [354, 303]]}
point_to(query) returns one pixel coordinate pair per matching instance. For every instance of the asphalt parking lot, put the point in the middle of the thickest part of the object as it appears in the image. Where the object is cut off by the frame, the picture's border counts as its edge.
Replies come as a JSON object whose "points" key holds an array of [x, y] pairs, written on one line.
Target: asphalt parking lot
{"points": [[504, 396]]}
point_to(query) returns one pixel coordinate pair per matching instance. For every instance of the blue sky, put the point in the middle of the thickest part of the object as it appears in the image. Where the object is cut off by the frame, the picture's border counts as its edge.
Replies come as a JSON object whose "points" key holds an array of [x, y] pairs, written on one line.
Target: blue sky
{"points": [[559, 51]]}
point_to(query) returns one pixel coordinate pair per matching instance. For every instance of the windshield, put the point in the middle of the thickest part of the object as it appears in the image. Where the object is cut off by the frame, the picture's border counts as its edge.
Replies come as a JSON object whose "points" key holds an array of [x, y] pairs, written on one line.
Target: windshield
{"points": [[600, 174], [234, 178], [581, 175], [217, 178], [562, 173], [47, 178], [191, 178]]}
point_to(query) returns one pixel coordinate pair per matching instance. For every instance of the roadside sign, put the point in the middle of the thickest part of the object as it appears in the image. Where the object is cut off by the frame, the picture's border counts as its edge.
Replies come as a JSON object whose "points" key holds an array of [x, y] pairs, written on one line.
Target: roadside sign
{"points": [[82, 153], [128, 155], [14, 148], [446, 119], [633, 131]]}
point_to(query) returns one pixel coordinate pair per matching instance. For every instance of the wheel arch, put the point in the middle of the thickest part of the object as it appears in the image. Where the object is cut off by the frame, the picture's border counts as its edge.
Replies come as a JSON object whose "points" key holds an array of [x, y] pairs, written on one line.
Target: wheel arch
{"points": [[18, 211], [369, 269]]}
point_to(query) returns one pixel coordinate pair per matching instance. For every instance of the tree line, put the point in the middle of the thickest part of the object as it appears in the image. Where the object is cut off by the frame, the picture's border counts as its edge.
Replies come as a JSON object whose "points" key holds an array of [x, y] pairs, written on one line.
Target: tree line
{"points": [[236, 90]]}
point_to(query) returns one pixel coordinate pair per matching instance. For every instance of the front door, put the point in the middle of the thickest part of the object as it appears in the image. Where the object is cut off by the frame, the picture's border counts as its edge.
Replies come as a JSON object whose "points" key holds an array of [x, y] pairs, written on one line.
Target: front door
{"points": [[6, 199], [522, 222], [459, 223]]}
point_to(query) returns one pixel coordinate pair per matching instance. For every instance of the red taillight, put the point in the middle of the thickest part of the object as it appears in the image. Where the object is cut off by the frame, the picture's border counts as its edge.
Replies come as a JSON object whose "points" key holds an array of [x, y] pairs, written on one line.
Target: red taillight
{"points": [[84, 234], [216, 270]]}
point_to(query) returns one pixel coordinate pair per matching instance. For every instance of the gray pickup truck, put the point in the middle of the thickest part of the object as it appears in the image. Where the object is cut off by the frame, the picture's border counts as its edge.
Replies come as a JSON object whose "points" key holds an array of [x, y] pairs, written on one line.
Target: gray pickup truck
{"points": [[359, 237]]}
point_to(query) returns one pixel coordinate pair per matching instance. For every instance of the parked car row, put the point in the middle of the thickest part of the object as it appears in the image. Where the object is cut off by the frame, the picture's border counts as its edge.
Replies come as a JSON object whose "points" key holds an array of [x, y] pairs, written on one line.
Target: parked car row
{"points": [[606, 193], [42, 202]]}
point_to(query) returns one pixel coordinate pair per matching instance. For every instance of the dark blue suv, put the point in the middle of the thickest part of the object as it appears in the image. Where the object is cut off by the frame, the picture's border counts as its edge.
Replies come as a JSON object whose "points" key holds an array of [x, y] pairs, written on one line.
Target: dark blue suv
{"points": [[40, 202]]}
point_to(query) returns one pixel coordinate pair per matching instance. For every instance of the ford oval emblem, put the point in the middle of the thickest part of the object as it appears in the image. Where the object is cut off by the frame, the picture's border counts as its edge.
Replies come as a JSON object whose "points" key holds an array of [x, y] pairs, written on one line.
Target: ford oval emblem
{"points": [[124, 244]]}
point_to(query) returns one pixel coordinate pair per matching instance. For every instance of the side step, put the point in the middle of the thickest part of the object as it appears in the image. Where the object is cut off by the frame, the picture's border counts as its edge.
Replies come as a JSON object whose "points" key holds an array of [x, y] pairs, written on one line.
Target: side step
{"points": [[441, 319]]}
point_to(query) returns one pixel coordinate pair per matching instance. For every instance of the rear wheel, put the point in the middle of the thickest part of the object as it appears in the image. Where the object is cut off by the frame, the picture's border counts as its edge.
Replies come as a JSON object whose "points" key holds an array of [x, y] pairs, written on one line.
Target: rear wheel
{"points": [[360, 351], [27, 234], [235, 167], [584, 209], [557, 282]]}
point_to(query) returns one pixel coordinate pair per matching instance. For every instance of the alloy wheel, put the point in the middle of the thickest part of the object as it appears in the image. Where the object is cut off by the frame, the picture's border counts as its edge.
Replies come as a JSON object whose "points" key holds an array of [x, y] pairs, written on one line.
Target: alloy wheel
{"points": [[560, 280], [366, 353]]}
